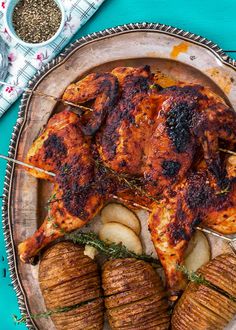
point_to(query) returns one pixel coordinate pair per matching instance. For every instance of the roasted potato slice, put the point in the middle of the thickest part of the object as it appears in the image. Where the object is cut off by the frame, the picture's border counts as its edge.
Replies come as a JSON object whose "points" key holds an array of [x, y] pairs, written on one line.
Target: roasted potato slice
{"points": [[113, 232], [202, 307], [89, 316], [71, 280], [139, 272], [135, 300], [133, 295], [114, 212], [221, 272]]}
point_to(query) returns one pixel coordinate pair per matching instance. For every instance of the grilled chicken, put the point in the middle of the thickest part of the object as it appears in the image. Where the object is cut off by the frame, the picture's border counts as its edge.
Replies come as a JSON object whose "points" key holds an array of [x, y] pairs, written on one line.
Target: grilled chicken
{"points": [[102, 89], [172, 222], [156, 135], [163, 140], [63, 150]]}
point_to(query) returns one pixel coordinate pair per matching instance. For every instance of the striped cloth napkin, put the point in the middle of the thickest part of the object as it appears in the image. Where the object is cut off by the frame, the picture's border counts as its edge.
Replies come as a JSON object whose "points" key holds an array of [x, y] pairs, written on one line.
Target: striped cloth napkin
{"points": [[24, 62]]}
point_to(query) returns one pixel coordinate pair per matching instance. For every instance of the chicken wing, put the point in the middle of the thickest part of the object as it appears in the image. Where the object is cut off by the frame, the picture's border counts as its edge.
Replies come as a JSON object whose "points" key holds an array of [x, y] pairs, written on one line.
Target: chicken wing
{"points": [[103, 88], [123, 135]]}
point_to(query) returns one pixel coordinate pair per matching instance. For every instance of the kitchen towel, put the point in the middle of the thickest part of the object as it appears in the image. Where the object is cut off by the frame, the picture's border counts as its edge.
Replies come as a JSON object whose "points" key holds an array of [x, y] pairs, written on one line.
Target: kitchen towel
{"points": [[24, 62]]}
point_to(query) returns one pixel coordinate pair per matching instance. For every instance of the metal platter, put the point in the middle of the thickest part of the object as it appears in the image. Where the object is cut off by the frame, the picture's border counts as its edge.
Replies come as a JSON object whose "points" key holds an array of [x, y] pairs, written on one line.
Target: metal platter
{"points": [[184, 55]]}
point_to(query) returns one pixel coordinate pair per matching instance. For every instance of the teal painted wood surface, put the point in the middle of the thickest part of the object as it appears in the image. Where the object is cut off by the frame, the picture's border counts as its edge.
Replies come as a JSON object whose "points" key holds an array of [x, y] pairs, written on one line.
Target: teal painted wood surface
{"points": [[213, 19]]}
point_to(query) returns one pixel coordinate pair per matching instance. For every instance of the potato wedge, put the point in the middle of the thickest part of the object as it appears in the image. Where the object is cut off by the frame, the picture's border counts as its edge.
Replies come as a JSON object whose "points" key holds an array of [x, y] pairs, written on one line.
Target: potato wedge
{"points": [[114, 212], [200, 254], [113, 232]]}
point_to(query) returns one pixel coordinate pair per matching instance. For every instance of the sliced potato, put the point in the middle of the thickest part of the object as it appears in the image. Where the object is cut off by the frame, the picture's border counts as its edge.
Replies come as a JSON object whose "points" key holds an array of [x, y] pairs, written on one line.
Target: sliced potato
{"points": [[114, 212], [202, 307], [140, 302], [114, 232], [67, 277], [191, 245], [200, 254]]}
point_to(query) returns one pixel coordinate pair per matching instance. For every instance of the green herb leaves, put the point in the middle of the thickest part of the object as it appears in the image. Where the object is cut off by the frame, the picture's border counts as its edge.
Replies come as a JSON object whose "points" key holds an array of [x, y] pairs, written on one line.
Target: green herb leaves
{"points": [[199, 279], [112, 251]]}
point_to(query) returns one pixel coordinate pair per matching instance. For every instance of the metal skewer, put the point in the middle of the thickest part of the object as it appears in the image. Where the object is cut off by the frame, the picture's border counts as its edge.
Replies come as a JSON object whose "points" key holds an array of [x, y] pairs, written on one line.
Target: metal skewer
{"points": [[120, 199], [27, 165], [228, 151], [230, 240], [205, 230], [38, 93], [212, 232]]}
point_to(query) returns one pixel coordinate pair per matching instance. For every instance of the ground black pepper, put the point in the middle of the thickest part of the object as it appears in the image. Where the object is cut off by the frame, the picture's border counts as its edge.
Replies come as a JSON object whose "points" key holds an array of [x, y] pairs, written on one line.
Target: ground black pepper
{"points": [[36, 21]]}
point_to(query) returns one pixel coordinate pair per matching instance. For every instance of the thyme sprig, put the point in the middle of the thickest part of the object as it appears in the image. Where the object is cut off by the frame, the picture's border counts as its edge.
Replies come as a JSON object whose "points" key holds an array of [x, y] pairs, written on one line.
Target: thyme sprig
{"points": [[131, 183], [48, 313], [224, 191], [112, 250], [51, 200], [200, 279]]}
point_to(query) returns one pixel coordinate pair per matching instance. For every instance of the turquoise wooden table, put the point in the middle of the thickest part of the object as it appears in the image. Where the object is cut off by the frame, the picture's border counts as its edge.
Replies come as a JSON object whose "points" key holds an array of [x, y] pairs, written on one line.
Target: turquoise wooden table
{"points": [[213, 19]]}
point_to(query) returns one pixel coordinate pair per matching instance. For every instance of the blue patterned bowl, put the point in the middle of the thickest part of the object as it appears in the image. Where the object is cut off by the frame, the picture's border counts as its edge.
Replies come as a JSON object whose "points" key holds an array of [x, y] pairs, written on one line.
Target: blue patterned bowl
{"points": [[10, 29]]}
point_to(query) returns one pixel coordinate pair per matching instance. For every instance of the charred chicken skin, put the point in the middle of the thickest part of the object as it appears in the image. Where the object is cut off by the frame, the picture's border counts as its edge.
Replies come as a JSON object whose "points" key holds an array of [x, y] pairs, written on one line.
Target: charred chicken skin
{"points": [[63, 149], [165, 139]]}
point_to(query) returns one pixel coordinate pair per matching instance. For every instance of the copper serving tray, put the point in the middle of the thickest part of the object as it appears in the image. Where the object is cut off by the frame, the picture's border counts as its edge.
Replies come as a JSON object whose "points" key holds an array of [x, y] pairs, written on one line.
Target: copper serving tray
{"points": [[186, 56]]}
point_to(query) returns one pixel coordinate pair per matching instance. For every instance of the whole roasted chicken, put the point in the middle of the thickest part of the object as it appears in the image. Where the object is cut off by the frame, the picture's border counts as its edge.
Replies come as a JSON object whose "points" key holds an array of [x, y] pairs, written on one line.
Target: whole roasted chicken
{"points": [[155, 146]]}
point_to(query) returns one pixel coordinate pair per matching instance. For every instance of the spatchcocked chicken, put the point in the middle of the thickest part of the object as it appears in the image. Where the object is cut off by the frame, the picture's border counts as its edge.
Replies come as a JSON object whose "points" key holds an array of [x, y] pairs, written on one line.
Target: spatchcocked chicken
{"points": [[165, 141]]}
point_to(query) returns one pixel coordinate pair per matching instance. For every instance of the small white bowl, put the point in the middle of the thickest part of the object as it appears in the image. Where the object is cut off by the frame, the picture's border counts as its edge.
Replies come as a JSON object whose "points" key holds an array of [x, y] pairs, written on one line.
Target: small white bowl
{"points": [[10, 29]]}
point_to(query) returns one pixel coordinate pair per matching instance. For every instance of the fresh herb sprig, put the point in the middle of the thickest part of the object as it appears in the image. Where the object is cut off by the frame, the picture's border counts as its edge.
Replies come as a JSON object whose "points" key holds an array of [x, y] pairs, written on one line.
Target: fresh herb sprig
{"points": [[112, 250], [200, 279], [48, 313], [224, 191], [131, 183]]}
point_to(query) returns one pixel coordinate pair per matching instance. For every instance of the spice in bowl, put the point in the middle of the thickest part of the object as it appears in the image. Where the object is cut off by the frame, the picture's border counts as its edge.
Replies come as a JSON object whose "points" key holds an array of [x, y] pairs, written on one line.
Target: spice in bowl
{"points": [[36, 21]]}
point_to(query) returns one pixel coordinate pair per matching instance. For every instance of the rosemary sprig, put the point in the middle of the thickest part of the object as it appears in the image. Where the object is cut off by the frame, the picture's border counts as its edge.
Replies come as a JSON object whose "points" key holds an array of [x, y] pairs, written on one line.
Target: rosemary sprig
{"points": [[131, 183], [199, 279], [48, 313], [112, 250]]}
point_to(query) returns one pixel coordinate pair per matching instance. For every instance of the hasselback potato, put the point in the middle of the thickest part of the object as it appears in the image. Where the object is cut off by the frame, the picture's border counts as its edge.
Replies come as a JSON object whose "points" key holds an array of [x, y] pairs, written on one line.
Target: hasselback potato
{"points": [[205, 308], [134, 296], [67, 277]]}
